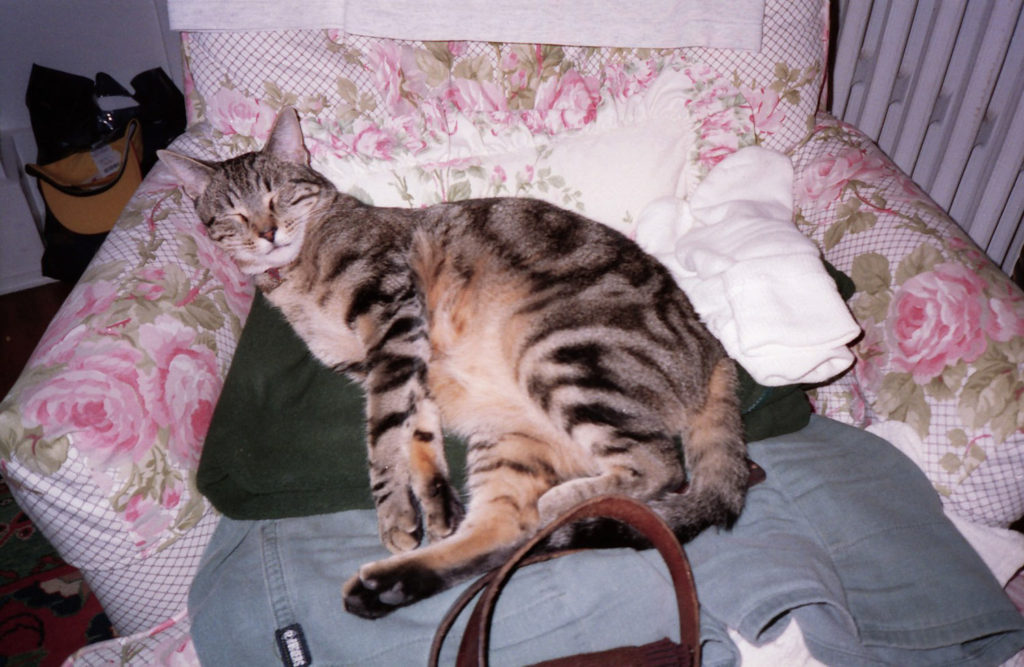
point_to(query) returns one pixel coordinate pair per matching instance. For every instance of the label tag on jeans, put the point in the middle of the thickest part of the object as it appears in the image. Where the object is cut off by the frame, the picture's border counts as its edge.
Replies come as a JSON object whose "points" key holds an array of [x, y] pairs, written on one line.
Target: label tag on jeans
{"points": [[292, 643]]}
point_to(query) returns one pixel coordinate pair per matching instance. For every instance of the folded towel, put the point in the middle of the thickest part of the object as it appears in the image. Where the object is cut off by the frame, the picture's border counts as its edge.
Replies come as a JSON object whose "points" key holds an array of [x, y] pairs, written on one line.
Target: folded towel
{"points": [[729, 24], [756, 281]]}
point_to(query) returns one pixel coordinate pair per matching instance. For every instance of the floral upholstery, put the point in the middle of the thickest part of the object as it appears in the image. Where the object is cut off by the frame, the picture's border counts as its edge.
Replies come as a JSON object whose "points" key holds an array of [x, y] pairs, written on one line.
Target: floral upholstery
{"points": [[100, 437], [943, 342]]}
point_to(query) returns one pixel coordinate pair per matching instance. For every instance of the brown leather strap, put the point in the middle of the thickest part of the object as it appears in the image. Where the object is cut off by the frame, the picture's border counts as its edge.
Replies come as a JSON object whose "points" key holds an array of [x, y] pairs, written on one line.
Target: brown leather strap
{"points": [[475, 642], [685, 595], [467, 596]]}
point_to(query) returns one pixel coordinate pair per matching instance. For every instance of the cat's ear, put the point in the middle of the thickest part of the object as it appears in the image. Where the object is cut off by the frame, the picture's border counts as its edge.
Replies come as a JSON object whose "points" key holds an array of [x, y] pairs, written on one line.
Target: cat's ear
{"points": [[193, 175], [285, 141]]}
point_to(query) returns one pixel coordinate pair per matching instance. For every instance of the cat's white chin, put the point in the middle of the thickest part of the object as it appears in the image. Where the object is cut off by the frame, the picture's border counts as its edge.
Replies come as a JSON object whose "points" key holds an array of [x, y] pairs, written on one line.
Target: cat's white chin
{"points": [[277, 258], [282, 254]]}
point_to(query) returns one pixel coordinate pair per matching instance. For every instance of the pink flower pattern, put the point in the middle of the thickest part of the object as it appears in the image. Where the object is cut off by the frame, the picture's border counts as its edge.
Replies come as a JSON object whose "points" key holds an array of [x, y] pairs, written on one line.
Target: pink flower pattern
{"points": [[183, 388], [937, 319], [942, 317], [67, 330], [942, 325], [767, 111], [567, 102], [822, 183], [233, 113], [471, 96], [100, 395]]}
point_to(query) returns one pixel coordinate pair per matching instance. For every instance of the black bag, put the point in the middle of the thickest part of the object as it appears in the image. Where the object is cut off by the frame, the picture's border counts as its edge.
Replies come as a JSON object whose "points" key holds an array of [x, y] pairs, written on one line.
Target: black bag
{"points": [[83, 130]]}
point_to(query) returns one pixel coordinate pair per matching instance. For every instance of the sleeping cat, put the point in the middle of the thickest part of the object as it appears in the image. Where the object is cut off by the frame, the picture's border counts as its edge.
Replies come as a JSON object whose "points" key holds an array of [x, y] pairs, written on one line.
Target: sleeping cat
{"points": [[567, 358]]}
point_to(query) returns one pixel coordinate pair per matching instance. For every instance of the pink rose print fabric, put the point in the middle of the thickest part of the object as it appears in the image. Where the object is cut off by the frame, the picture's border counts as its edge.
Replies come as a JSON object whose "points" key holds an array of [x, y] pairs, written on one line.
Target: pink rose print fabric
{"points": [[183, 387], [943, 317], [943, 344], [100, 395]]}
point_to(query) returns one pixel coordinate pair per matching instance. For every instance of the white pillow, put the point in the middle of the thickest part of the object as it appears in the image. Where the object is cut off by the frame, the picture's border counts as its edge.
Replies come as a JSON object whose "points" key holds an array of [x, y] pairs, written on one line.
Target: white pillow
{"points": [[635, 149]]}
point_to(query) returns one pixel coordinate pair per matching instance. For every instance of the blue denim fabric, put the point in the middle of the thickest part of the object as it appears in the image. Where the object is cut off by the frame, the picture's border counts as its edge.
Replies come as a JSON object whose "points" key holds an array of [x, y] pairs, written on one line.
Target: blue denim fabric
{"points": [[846, 536], [259, 576]]}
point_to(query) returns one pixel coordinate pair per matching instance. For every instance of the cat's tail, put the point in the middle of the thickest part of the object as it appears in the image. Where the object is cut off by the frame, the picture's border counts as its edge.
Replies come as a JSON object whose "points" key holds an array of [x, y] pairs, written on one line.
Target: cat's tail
{"points": [[716, 463], [687, 514], [718, 474]]}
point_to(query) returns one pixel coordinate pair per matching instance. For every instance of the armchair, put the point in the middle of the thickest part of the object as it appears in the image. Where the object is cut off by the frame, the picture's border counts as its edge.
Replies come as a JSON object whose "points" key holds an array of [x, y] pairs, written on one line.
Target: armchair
{"points": [[101, 436]]}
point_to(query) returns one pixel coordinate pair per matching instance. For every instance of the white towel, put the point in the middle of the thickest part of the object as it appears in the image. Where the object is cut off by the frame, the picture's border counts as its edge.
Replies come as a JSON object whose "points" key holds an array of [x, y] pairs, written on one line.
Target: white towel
{"points": [[755, 280], [724, 24]]}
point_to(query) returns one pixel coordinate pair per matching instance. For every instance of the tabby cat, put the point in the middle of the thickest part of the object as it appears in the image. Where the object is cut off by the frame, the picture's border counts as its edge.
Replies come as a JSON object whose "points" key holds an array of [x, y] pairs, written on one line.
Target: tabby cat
{"points": [[566, 357]]}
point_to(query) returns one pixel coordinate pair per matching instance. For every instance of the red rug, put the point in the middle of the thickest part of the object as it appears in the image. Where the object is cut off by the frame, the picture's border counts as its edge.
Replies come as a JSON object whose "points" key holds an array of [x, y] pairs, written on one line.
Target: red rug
{"points": [[47, 611]]}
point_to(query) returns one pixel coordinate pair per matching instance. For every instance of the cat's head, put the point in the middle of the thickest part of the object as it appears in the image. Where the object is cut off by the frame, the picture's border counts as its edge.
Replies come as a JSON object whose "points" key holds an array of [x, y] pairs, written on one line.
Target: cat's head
{"points": [[256, 206]]}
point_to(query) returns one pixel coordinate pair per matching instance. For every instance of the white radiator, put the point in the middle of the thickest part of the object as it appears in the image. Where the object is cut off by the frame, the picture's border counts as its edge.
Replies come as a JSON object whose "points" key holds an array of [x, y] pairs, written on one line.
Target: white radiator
{"points": [[939, 84]]}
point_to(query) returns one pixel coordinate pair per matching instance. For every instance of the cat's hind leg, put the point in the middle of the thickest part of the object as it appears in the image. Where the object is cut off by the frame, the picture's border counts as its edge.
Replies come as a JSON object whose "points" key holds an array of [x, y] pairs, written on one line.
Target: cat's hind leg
{"points": [[409, 474], [428, 472], [632, 456]]}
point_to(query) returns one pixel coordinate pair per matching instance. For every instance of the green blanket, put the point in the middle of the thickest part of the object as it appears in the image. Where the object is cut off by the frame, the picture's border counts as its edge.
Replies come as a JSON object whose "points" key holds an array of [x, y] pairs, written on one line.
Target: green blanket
{"points": [[287, 436]]}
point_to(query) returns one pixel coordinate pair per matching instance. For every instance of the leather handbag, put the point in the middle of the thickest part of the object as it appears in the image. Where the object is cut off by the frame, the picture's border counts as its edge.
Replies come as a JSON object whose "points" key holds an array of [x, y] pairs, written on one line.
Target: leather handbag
{"points": [[473, 649]]}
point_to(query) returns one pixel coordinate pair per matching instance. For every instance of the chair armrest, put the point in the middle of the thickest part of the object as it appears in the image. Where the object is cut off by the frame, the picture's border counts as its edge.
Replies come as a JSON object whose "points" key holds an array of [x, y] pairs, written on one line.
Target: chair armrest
{"points": [[100, 436], [942, 349]]}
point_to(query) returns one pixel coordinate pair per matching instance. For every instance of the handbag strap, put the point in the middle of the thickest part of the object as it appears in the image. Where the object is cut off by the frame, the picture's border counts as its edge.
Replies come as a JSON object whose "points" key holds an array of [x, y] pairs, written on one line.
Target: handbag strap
{"points": [[467, 596], [474, 647]]}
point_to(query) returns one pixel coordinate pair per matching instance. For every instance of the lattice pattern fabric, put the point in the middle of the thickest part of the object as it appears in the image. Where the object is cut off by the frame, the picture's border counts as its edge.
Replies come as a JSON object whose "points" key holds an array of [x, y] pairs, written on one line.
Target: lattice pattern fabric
{"points": [[345, 77], [942, 346]]}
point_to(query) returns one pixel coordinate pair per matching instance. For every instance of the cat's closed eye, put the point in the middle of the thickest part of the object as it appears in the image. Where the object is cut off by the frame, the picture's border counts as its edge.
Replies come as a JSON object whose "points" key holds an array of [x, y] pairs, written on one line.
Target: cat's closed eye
{"points": [[303, 194]]}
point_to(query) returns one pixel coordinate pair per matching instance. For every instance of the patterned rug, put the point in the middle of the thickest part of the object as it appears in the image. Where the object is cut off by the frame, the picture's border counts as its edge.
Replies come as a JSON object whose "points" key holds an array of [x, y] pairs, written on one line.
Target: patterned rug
{"points": [[46, 609]]}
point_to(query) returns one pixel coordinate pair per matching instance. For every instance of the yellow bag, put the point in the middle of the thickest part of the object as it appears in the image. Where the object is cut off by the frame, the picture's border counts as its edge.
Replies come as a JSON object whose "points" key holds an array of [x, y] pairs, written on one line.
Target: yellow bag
{"points": [[86, 191]]}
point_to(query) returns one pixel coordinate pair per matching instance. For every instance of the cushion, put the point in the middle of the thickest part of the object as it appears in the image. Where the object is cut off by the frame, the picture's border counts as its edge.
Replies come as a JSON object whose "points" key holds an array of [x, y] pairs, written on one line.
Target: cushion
{"points": [[102, 431], [601, 131], [287, 437], [364, 83]]}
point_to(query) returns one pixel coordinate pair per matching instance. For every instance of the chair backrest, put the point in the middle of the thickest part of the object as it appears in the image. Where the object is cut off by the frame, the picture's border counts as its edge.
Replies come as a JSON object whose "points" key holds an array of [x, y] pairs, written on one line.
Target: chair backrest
{"points": [[358, 81]]}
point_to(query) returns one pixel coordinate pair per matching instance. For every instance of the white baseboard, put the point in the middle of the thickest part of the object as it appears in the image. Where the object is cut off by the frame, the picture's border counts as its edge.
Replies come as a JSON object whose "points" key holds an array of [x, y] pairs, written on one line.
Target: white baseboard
{"points": [[21, 248]]}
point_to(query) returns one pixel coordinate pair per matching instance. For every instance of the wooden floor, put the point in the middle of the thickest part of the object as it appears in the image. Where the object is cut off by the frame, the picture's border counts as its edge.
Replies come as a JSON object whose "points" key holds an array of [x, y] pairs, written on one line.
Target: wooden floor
{"points": [[23, 319]]}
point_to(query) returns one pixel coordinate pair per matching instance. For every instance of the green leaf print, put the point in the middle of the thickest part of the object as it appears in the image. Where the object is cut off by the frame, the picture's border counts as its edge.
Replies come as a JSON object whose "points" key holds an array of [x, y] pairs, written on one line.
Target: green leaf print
{"points": [[902, 399], [871, 273], [922, 259]]}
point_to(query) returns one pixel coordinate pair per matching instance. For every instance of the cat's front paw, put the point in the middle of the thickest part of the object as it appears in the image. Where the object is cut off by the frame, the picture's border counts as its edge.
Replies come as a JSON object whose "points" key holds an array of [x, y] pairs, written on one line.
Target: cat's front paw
{"points": [[442, 508], [398, 520], [380, 588]]}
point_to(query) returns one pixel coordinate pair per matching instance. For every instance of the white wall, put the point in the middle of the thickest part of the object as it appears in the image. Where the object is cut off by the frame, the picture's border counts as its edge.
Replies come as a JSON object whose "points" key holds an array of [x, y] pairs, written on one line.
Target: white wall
{"points": [[119, 37]]}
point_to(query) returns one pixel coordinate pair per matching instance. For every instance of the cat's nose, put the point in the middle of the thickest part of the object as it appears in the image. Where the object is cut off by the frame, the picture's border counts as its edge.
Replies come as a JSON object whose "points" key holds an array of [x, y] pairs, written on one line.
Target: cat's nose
{"points": [[269, 234]]}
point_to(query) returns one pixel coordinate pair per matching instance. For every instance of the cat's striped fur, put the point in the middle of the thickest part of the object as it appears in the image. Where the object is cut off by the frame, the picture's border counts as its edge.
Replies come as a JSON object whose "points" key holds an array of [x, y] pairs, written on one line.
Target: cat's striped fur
{"points": [[567, 358]]}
